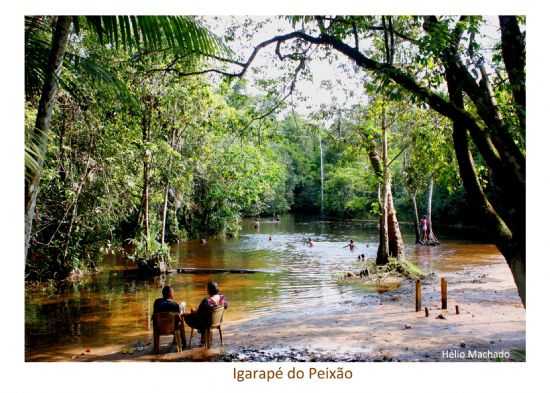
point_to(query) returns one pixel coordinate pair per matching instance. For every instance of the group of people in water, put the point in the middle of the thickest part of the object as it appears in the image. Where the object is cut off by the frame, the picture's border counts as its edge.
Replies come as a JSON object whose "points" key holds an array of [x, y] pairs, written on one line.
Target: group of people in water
{"points": [[350, 245], [199, 318]]}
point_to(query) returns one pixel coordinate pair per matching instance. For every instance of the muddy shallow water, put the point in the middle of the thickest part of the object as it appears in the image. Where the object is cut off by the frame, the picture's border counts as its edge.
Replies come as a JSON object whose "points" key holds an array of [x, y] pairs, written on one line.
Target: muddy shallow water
{"points": [[294, 280]]}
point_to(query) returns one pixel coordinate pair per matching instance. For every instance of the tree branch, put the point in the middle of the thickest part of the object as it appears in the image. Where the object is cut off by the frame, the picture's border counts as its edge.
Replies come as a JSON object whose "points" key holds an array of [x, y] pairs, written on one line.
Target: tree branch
{"points": [[300, 67], [498, 147], [513, 55], [398, 154]]}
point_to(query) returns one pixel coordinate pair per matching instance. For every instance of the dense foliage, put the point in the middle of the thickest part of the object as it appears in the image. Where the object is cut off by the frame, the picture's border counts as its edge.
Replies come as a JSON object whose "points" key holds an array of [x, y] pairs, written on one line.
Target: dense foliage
{"points": [[144, 149]]}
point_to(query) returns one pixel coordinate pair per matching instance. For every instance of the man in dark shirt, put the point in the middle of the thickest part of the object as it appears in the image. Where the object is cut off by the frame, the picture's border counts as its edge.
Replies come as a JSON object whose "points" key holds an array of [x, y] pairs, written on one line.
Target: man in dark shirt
{"points": [[167, 303]]}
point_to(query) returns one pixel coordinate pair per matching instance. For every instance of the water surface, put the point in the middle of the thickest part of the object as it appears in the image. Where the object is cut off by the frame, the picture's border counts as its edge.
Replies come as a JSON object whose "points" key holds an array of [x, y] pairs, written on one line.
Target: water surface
{"points": [[111, 308]]}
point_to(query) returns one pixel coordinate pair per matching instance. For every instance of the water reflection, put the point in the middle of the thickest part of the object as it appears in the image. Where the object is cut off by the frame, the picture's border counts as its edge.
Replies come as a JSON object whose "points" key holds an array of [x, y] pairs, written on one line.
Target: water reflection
{"points": [[111, 308]]}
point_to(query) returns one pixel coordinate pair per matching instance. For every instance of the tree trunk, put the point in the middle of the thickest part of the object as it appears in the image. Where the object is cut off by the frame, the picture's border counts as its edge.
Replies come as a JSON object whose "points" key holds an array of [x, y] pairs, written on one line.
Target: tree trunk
{"points": [[164, 212], [146, 198], [383, 247], [513, 54], [43, 118], [146, 124], [497, 145], [390, 239], [514, 254], [511, 247], [432, 240], [167, 186], [416, 219], [395, 240], [322, 168]]}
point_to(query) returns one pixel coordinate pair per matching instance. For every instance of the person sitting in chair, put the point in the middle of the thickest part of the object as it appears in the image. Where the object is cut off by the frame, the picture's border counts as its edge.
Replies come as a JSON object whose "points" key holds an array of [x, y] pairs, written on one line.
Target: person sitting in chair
{"points": [[167, 303], [200, 319]]}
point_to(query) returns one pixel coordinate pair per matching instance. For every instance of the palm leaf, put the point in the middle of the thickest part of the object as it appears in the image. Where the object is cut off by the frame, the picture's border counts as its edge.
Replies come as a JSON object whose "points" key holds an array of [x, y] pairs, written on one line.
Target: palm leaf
{"points": [[180, 34], [79, 68], [34, 150]]}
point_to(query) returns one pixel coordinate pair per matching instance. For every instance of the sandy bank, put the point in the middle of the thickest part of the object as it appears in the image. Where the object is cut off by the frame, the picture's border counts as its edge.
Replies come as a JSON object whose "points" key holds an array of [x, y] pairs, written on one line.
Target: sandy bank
{"points": [[370, 328]]}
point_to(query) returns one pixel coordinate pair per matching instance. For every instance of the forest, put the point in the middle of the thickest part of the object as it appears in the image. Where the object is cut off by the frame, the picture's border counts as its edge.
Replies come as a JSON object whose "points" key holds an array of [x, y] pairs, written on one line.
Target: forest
{"points": [[145, 131]]}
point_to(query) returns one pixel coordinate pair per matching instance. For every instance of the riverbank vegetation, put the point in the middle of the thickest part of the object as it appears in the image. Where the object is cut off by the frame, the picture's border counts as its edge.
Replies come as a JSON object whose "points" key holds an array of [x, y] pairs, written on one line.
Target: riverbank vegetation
{"points": [[140, 134]]}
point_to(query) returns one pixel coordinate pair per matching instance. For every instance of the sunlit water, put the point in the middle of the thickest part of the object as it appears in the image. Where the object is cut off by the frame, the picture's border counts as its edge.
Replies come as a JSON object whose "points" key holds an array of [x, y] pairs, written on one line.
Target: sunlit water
{"points": [[112, 308]]}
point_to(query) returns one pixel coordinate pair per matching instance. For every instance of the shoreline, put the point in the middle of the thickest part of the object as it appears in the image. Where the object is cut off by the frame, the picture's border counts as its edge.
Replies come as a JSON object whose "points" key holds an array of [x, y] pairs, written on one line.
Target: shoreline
{"points": [[381, 327]]}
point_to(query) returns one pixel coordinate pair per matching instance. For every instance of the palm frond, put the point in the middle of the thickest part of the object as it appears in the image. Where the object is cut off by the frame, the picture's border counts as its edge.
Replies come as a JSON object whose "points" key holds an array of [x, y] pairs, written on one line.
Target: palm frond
{"points": [[181, 34], [79, 68], [34, 154]]}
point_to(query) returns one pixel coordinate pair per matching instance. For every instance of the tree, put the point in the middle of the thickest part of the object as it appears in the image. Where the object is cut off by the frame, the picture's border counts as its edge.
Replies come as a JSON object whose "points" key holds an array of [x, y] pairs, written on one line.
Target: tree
{"points": [[182, 35], [428, 159], [387, 113]]}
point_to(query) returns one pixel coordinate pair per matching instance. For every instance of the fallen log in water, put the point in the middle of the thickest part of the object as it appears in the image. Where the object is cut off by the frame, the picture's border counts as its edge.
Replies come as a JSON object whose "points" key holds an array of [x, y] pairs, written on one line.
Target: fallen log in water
{"points": [[200, 270], [146, 272]]}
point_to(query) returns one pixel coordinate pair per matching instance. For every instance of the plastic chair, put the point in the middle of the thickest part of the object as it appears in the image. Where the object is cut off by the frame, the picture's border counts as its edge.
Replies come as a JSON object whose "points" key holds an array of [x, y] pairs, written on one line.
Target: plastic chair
{"points": [[216, 323], [165, 324]]}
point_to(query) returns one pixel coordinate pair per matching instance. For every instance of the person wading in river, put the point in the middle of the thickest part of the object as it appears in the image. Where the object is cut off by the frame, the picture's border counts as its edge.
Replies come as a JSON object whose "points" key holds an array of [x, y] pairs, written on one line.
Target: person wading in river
{"points": [[200, 319], [351, 245], [424, 224]]}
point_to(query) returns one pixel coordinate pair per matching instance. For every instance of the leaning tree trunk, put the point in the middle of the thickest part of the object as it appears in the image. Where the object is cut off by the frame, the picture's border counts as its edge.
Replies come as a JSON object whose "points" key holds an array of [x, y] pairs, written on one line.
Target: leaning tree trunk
{"points": [[432, 240], [43, 118], [395, 240], [510, 246]]}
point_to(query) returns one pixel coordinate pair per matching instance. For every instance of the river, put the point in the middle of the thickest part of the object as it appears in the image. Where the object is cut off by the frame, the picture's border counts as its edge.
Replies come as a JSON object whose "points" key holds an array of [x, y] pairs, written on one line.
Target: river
{"points": [[109, 308]]}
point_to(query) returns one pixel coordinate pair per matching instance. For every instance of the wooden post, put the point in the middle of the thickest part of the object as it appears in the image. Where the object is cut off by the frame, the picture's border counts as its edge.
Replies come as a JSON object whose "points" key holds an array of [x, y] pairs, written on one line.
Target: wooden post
{"points": [[443, 293], [457, 310], [426, 312], [418, 296]]}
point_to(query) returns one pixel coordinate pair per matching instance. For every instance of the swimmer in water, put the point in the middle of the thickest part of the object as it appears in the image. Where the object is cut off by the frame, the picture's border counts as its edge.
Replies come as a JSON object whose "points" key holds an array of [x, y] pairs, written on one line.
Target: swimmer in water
{"points": [[309, 242], [351, 245]]}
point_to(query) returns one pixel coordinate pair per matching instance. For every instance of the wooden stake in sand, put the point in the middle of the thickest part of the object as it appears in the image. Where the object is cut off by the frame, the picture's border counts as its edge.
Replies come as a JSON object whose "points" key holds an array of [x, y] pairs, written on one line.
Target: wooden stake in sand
{"points": [[457, 310], [426, 312], [443, 293], [418, 296]]}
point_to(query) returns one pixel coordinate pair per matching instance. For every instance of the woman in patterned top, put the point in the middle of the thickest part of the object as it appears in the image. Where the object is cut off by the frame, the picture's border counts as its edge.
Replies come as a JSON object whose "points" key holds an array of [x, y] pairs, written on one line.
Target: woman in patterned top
{"points": [[200, 319]]}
